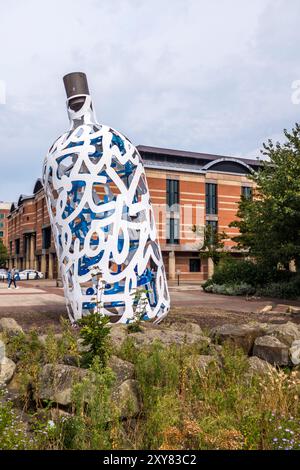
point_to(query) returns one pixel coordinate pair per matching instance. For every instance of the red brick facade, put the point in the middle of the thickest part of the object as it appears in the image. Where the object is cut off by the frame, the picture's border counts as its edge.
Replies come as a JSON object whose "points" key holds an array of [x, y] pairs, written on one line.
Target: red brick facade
{"points": [[4, 211], [30, 243]]}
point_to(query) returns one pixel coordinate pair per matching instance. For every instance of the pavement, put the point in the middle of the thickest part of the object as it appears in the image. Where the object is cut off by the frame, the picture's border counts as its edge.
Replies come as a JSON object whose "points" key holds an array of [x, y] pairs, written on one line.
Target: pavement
{"points": [[40, 303]]}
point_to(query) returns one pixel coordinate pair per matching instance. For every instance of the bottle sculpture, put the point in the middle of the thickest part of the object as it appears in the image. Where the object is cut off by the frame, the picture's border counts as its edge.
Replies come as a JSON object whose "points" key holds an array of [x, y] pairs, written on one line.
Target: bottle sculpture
{"points": [[102, 219]]}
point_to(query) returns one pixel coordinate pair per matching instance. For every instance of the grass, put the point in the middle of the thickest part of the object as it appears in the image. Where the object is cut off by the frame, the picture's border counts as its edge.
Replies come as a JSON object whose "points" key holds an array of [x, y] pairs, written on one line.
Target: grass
{"points": [[182, 406]]}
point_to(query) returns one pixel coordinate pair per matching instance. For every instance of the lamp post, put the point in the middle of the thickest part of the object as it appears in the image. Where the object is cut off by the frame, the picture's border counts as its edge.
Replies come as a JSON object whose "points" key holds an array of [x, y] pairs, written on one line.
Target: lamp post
{"points": [[178, 272]]}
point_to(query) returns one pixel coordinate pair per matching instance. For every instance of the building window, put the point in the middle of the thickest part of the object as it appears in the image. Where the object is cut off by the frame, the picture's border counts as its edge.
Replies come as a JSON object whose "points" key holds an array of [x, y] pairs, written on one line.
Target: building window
{"points": [[1, 234], [17, 245], [247, 192], [1, 216], [172, 231], [211, 198], [1, 224], [213, 224], [195, 265], [10, 248], [172, 202], [172, 192], [46, 238]]}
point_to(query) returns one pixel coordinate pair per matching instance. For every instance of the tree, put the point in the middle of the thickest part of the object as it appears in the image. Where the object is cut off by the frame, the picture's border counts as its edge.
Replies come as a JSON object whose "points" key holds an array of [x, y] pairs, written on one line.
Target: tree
{"points": [[213, 243], [3, 255], [269, 223]]}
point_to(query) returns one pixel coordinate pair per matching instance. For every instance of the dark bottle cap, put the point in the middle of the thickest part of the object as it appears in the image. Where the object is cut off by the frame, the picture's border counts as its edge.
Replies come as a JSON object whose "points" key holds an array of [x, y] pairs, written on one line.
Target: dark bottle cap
{"points": [[76, 84]]}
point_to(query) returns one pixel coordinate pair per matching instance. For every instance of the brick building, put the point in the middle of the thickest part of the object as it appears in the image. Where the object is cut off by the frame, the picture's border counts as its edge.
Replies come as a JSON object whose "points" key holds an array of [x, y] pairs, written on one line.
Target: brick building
{"points": [[187, 189], [4, 211]]}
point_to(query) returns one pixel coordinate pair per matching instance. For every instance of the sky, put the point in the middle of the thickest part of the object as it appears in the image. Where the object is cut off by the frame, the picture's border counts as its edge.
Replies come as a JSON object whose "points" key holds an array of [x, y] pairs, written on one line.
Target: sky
{"points": [[212, 76]]}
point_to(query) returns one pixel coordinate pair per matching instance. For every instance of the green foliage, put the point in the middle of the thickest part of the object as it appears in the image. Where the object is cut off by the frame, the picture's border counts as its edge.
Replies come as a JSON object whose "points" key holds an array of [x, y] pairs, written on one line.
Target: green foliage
{"points": [[95, 335], [30, 354], [269, 224], [281, 290], [140, 303], [94, 413], [286, 435], [232, 271], [230, 289], [3, 255], [183, 405], [213, 244], [233, 277], [12, 431], [128, 351]]}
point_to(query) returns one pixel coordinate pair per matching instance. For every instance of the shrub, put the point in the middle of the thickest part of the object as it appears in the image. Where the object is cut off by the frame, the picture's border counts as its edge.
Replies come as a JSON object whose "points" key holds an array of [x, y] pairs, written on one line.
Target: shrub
{"points": [[95, 334], [246, 271], [281, 290], [230, 289]]}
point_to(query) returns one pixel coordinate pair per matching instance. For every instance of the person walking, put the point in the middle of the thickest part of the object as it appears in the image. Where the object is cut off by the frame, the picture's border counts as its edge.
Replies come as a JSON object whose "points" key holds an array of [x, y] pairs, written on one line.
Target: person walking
{"points": [[12, 277]]}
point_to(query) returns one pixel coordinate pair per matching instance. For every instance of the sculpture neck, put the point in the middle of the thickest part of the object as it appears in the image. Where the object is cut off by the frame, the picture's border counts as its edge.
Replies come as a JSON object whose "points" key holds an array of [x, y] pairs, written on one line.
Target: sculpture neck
{"points": [[80, 111]]}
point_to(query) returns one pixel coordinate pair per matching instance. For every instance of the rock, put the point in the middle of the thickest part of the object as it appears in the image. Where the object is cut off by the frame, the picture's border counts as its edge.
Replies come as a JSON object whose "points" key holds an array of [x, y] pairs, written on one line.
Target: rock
{"points": [[293, 310], [272, 350], [7, 370], [71, 360], [2, 350], [167, 337], [259, 367], [123, 370], [118, 335], [81, 347], [201, 362], [215, 349], [127, 398], [266, 309], [17, 386], [241, 336], [10, 326], [56, 382], [286, 332], [59, 415], [188, 327], [295, 352]]}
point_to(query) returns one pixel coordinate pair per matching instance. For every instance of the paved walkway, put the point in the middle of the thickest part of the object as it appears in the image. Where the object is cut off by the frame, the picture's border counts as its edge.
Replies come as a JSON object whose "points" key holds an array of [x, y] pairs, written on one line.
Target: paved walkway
{"points": [[40, 303]]}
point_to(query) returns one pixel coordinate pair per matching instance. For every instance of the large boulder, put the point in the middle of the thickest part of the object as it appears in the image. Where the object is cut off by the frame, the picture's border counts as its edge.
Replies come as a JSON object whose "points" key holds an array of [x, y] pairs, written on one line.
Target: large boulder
{"points": [[123, 370], [118, 335], [56, 382], [241, 336], [188, 327], [7, 370], [167, 337], [259, 367], [286, 332], [10, 327], [272, 350], [295, 352], [127, 398]]}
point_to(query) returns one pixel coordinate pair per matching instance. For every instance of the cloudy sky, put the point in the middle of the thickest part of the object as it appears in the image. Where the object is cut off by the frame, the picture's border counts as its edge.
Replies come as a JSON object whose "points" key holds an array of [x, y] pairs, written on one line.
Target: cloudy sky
{"points": [[211, 76]]}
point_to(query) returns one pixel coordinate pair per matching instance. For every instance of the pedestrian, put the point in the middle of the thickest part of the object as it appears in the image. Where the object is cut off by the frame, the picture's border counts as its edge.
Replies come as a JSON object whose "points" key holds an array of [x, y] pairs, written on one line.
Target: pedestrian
{"points": [[12, 277]]}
